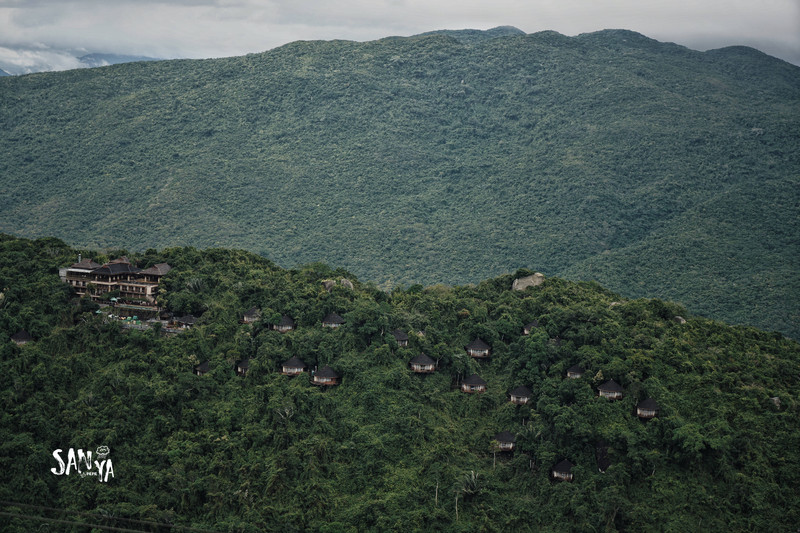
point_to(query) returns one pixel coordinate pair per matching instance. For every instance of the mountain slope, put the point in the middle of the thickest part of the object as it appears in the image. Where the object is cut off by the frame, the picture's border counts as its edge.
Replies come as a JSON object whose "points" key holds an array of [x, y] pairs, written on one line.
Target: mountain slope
{"points": [[386, 450], [434, 158]]}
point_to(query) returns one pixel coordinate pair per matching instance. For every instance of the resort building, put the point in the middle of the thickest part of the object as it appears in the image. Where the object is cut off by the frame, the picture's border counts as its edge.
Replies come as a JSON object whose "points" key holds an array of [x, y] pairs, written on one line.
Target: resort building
{"points": [[132, 285]]}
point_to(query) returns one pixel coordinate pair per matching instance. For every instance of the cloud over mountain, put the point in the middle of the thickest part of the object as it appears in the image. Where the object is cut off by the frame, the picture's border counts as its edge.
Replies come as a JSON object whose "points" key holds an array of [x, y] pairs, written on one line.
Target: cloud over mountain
{"points": [[37, 30]]}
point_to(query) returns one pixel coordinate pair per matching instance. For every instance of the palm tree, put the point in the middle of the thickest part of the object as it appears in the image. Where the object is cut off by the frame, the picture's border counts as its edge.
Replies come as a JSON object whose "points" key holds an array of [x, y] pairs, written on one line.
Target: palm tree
{"points": [[466, 485]]}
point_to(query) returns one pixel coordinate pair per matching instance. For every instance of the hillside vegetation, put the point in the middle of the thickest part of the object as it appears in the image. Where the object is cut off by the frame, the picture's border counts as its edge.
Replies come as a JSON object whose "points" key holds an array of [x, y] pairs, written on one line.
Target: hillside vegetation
{"points": [[387, 450], [448, 157]]}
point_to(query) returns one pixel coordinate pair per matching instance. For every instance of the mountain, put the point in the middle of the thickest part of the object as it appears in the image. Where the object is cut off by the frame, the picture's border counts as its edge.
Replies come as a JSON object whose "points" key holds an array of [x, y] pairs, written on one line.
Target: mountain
{"points": [[4, 73], [386, 449], [654, 169], [475, 36], [102, 60]]}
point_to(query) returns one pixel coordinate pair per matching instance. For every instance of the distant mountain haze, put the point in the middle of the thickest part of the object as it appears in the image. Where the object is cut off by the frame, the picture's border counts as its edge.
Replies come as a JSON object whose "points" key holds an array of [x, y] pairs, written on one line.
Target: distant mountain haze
{"points": [[102, 60], [28, 61], [447, 158]]}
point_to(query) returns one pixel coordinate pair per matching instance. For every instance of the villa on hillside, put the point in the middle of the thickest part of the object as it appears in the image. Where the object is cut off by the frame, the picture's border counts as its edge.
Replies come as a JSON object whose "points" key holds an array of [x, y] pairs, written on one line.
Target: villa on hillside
{"points": [[242, 367], [286, 324], [610, 389], [325, 376], [562, 471], [293, 367], [575, 372], [520, 395], [478, 349], [202, 368], [505, 441], [401, 337], [473, 384], [251, 315], [135, 286], [647, 409], [422, 364], [332, 320], [21, 337]]}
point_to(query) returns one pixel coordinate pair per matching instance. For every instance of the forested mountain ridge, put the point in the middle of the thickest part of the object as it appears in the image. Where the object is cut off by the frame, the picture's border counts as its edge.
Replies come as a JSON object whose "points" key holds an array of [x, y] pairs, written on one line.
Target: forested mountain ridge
{"points": [[387, 450], [652, 168]]}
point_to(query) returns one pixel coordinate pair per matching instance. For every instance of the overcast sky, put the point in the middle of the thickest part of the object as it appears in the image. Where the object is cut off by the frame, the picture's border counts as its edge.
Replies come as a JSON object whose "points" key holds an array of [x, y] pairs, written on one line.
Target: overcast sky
{"points": [[48, 34]]}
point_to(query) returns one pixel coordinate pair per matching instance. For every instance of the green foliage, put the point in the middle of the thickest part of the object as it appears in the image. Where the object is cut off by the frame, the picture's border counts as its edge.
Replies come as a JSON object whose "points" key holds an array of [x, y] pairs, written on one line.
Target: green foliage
{"points": [[388, 450], [450, 157]]}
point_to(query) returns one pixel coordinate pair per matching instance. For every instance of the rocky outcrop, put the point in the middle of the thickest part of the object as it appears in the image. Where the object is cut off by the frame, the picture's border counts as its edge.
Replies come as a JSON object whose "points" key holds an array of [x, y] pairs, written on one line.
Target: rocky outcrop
{"points": [[520, 284], [344, 282]]}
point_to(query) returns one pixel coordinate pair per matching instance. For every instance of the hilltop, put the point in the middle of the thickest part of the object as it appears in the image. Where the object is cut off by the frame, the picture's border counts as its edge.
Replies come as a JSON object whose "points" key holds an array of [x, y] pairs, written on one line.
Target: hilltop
{"points": [[450, 157], [386, 449]]}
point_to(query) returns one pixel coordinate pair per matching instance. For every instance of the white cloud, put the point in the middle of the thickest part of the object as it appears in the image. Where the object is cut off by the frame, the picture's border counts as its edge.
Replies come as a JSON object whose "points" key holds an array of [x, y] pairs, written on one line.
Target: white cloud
{"points": [[25, 61]]}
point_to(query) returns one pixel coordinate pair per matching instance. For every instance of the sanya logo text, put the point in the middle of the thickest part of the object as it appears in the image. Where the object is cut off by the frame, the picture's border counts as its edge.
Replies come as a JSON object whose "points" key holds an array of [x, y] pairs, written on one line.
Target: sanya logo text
{"points": [[82, 463]]}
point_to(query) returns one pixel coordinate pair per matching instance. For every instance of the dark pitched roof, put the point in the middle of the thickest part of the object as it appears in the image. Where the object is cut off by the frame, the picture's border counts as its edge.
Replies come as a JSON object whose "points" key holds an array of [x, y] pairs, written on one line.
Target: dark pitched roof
{"points": [[21, 336], [253, 311], [326, 372], [564, 466], [477, 344], [295, 362], [505, 436], [610, 386], [333, 318], [117, 267], [202, 367], [400, 335], [577, 369], [157, 270], [522, 390], [531, 325], [86, 264], [244, 363], [649, 404], [188, 319], [286, 320], [422, 359], [474, 379]]}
